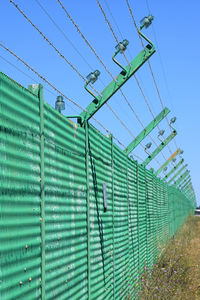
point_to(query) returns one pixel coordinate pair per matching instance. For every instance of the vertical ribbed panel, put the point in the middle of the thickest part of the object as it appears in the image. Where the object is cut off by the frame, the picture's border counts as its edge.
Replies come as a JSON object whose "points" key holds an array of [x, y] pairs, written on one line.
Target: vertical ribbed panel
{"points": [[133, 228], [19, 192], [65, 208], [121, 246], [101, 229], [142, 228], [79, 249], [150, 218]]}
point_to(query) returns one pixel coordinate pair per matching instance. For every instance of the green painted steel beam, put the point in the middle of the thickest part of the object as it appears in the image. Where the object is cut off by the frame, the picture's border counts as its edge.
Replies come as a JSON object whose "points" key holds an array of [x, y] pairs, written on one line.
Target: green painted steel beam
{"points": [[147, 130], [173, 170], [186, 186], [118, 82], [189, 193], [179, 172], [185, 180], [168, 161], [185, 183], [179, 185], [188, 189], [162, 145], [181, 178]]}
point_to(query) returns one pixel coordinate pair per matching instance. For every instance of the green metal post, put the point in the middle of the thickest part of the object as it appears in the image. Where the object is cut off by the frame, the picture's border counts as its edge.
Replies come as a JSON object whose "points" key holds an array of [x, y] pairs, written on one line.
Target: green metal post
{"points": [[162, 145], [113, 214], [181, 178], [88, 205], [37, 89], [138, 231], [117, 83], [147, 130], [173, 170], [167, 162], [42, 186], [179, 172]]}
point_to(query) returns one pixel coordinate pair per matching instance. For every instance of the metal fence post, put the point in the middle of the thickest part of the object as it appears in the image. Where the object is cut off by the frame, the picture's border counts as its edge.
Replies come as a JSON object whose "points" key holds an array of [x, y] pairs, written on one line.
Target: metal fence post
{"points": [[41, 103], [88, 202]]}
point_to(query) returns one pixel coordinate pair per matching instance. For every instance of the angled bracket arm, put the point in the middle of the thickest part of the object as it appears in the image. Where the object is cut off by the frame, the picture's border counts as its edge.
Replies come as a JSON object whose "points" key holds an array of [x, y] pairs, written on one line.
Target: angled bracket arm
{"points": [[178, 173], [91, 93], [147, 130], [185, 183], [189, 185], [162, 145], [114, 59], [118, 82], [168, 161], [182, 177], [179, 186], [185, 179], [173, 170]]}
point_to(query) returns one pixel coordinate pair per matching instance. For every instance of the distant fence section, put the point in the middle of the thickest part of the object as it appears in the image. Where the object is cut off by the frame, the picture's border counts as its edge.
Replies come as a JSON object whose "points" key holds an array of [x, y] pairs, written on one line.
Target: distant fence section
{"points": [[79, 218]]}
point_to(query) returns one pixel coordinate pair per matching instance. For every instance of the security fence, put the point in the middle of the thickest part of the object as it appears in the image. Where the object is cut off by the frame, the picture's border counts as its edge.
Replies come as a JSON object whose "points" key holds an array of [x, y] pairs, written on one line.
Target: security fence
{"points": [[79, 218]]}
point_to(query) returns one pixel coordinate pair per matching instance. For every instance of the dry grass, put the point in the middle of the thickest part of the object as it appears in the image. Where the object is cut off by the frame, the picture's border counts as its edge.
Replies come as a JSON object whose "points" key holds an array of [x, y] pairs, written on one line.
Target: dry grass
{"points": [[177, 274]]}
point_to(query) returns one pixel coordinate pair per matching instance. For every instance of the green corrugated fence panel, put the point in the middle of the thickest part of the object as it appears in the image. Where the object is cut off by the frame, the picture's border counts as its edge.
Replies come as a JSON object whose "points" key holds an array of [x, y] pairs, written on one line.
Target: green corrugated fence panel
{"points": [[101, 229], [112, 247], [65, 208], [19, 192]]}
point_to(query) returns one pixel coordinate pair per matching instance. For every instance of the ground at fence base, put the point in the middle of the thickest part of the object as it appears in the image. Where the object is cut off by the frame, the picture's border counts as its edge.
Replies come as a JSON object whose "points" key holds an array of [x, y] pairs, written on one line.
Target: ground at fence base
{"points": [[177, 274]]}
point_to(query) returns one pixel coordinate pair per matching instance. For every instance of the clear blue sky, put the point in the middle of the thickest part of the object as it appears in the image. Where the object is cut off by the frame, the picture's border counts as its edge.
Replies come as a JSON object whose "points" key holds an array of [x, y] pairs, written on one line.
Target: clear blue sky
{"points": [[176, 64]]}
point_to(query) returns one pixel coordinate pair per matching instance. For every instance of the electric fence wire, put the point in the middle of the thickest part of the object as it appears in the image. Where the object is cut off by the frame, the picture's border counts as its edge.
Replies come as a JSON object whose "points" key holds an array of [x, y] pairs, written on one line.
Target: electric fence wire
{"points": [[80, 75], [151, 71], [63, 34], [161, 62], [115, 114], [58, 91], [28, 76], [137, 81], [95, 53], [51, 44]]}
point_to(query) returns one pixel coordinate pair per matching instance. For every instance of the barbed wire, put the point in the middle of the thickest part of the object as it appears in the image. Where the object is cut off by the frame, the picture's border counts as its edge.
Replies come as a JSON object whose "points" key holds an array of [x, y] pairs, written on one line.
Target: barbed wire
{"points": [[69, 63], [119, 142], [63, 34], [151, 71], [58, 91], [162, 66], [95, 53], [28, 76], [52, 45], [137, 81], [62, 56]]}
